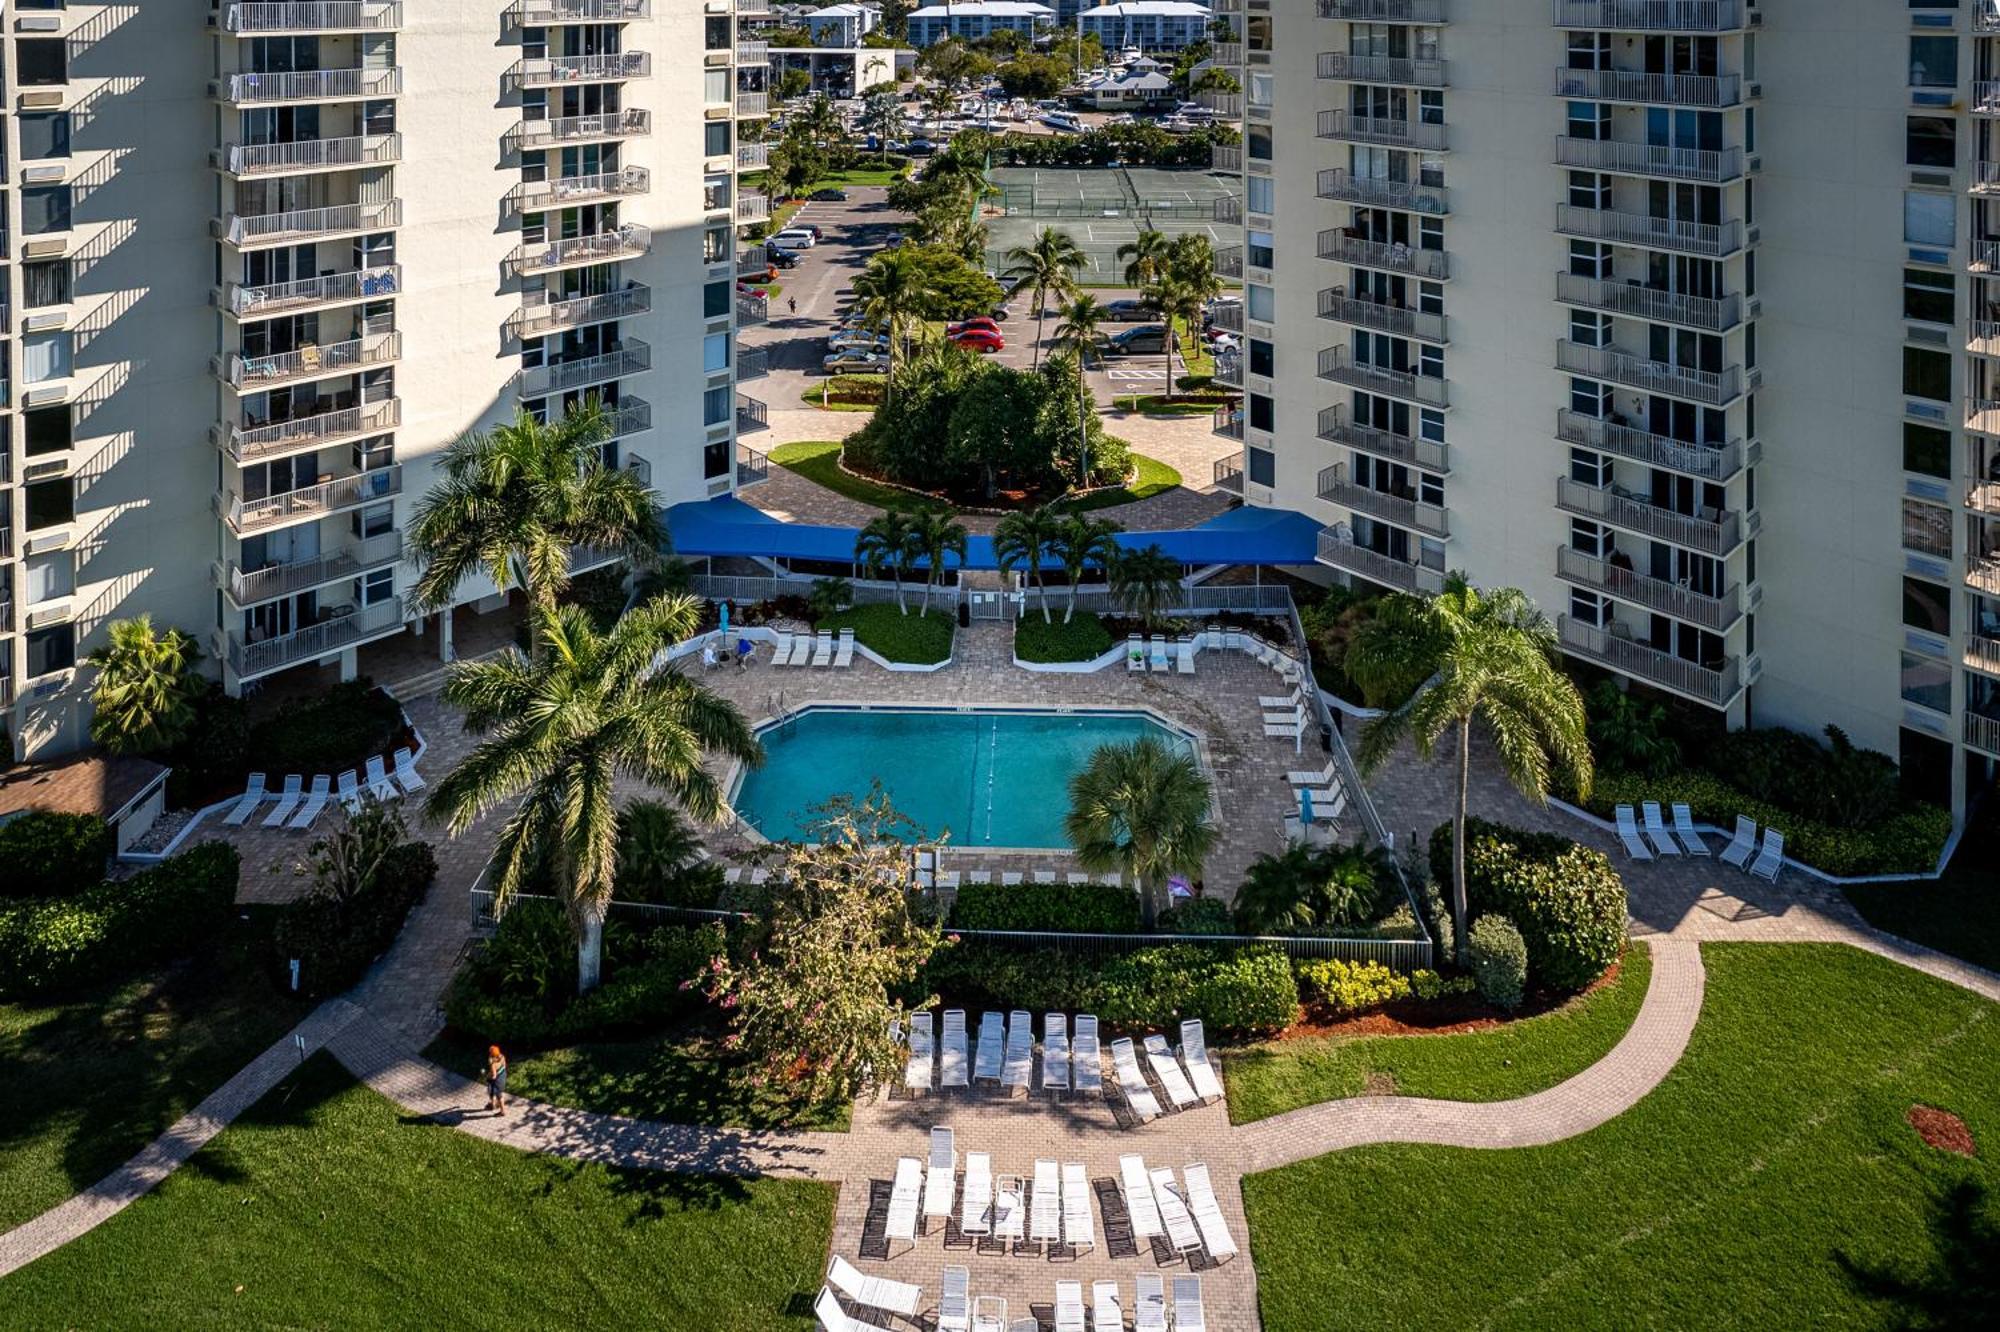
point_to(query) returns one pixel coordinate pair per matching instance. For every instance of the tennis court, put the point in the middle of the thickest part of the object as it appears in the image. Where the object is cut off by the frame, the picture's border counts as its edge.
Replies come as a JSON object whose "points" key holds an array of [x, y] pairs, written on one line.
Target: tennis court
{"points": [[1103, 208]]}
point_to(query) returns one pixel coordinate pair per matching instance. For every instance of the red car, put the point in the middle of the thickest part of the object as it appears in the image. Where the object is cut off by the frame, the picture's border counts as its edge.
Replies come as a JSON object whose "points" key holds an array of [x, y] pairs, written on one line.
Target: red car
{"points": [[979, 339], [977, 321]]}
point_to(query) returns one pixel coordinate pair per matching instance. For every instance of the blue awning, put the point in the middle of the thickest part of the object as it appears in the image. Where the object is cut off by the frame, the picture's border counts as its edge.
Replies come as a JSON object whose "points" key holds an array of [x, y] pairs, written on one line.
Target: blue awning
{"points": [[727, 526]]}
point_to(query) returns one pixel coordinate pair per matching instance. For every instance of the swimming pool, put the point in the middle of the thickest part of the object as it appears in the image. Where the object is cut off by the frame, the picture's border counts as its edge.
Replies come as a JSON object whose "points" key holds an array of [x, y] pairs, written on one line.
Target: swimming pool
{"points": [[992, 777]]}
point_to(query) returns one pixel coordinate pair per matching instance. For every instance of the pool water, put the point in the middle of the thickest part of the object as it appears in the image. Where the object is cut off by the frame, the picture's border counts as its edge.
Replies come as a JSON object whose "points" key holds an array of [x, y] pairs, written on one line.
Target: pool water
{"points": [[989, 778]]}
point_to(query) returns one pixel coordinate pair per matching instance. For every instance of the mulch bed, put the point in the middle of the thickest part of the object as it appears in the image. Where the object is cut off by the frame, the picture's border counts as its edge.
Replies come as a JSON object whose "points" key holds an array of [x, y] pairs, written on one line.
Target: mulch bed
{"points": [[1439, 1017], [1942, 1129]]}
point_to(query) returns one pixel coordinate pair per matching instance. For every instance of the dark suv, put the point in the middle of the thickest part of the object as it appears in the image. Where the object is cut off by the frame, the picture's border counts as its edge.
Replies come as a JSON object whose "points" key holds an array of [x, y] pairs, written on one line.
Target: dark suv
{"points": [[1146, 338]]}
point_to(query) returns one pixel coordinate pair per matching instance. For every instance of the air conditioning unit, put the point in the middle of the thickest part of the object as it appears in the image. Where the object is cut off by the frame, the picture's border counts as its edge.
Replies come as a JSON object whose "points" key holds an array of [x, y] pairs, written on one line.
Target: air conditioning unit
{"points": [[45, 249], [41, 99]]}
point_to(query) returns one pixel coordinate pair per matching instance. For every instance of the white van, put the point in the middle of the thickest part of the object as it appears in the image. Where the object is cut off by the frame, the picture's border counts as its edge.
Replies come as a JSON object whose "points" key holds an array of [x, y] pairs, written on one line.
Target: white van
{"points": [[795, 238]]}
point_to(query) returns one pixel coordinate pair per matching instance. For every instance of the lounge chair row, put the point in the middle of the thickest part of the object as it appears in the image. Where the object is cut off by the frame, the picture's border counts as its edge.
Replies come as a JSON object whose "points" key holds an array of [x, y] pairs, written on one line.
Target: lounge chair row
{"points": [[1765, 862], [821, 649], [1004, 1054], [1003, 1209], [298, 808], [1159, 655], [1188, 1082], [1185, 1217], [958, 1310]]}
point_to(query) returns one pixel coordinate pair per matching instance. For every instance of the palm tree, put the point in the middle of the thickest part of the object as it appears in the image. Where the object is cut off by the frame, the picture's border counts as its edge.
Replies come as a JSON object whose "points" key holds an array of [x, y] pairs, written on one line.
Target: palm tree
{"points": [[515, 501], [1146, 582], [1022, 538], [882, 116], [1047, 264], [147, 683], [1142, 809], [1076, 333], [1194, 283], [656, 845], [1080, 542], [891, 291], [887, 541], [1467, 654], [818, 121], [1145, 257], [558, 731], [933, 535]]}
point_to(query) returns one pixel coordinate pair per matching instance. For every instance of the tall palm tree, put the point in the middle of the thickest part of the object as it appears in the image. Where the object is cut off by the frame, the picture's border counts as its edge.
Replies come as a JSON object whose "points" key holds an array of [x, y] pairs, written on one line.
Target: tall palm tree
{"points": [[1080, 542], [1142, 809], [933, 535], [1145, 257], [1047, 264], [1466, 655], [1193, 284], [891, 292], [515, 500], [1078, 319], [882, 116], [147, 683], [1146, 582], [887, 541], [1022, 538], [558, 731], [818, 121]]}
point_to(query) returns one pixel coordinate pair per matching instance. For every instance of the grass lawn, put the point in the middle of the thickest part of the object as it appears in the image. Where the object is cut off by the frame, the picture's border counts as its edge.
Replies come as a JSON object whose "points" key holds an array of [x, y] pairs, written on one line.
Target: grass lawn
{"points": [[1150, 477], [1494, 1065], [1181, 404], [89, 1078], [917, 639], [1740, 1193], [818, 461], [1958, 913], [865, 391], [323, 1208], [668, 1077], [1082, 639]]}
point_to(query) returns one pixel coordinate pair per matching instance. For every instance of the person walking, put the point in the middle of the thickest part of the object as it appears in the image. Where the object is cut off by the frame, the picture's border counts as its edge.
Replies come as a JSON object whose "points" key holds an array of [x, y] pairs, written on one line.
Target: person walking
{"points": [[792, 304], [496, 1080]]}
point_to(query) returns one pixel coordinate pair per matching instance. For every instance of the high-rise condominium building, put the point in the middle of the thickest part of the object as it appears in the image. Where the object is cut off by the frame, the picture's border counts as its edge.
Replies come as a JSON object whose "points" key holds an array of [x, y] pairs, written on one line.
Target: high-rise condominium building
{"points": [[1678, 314], [268, 259]]}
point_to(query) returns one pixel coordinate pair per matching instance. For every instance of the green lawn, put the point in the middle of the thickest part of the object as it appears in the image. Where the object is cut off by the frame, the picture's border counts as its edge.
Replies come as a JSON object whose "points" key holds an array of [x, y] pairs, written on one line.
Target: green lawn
{"points": [[1150, 477], [828, 394], [668, 1077], [1181, 404], [323, 1207], [88, 1079], [1740, 1193], [1958, 913], [1082, 639], [1494, 1065], [818, 461], [919, 640]]}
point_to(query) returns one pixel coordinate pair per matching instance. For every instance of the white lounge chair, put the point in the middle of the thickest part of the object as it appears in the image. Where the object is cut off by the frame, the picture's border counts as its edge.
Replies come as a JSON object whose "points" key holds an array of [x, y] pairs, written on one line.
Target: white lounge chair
{"points": [[1771, 860], [1282, 702], [1077, 877], [1326, 776], [1179, 1090], [1135, 653], [1106, 1313], [1174, 1214], [1009, 878], [347, 788], [1045, 876], [952, 1060], [989, 1314], [832, 1318], [1292, 727], [917, 1073], [1188, 1314], [1069, 1307], [1656, 829], [315, 801], [1208, 1218], [1017, 1066], [1079, 1224], [253, 796], [802, 648], [1149, 1307], [1628, 833], [823, 648], [987, 1055], [905, 1195], [1156, 656], [979, 876], [406, 772], [940, 1176], [892, 1297], [1184, 651], [1086, 1059], [1740, 846], [1132, 1082], [288, 800], [1055, 1052], [1010, 1210], [781, 648], [955, 1300], [1045, 1206], [843, 650], [1194, 1054], [378, 782], [975, 1200], [1684, 830], [1140, 1206]]}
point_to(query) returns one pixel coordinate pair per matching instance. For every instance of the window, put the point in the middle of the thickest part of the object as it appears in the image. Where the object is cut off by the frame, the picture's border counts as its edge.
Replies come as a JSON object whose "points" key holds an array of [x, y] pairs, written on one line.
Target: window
{"points": [[715, 85], [374, 520], [1927, 374], [1926, 683], [1927, 528], [714, 300], [44, 135], [1927, 296], [1259, 302], [715, 138], [1933, 62], [717, 405], [47, 429], [1258, 194], [1261, 465], [1928, 219], [48, 577], [52, 649], [715, 245], [715, 353], [1262, 411], [45, 282], [1926, 606], [50, 503], [1257, 142], [1930, 141], [45, 208], [44, 356], [1587, 608], [378, 587], [715, 460], [715, 33], [1257, 249], [40, 61], [1263, 358], [1926, 449]]}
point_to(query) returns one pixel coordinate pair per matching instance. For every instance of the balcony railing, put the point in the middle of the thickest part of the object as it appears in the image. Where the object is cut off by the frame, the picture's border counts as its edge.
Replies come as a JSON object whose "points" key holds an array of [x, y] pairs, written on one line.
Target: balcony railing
{"points": [[1228, 105], [752, 53], [1651, 15], [752, 466], [751, 414], [1229, 261], [1382, 69], [1982, 414], [1226, 157], [1228, 370], [1716, 685], [1402, 510], [1983, 732], [531, 134], [260, 372], [1343, 186], [266, 159], [1983, 572], [1716, 314], [753, 103], [752, 156], [752, 363], [277, 297], [246, 517], [309, 85], [1714, 532], [1227, 421], [1227, 316], [1336, 304], [1340, 247], [1336, 428], [1982, 496], [1717, 388], [1228, 53], [1712, 166], [557, 71], [247, 444], [1403, 575], [330, 635], [282, 580], [1228, 475], [1982, 653], [570, 191], [1227, 210], [752, 208], [543, 312], [604, 247], [307, 224], [1668, 598], [1624, 85], [629, 358], [1711, 240], [313, 16], [1390, 131], [1985, 99], [1711, 462], [549, 13], [1338, 365], [632, 416], [751, 309], [1383, 11]]}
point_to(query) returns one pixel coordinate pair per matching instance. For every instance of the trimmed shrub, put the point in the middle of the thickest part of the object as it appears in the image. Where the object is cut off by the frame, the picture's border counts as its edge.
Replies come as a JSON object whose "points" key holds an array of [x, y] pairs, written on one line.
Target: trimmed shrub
{"points": [[1198, 915], [341, 728], [55, 942], [1499, 961], [1348, 986], [49, 855], [1245, 991], [1428, 985], [1072, 908], [1565, 899], [334, 938]]}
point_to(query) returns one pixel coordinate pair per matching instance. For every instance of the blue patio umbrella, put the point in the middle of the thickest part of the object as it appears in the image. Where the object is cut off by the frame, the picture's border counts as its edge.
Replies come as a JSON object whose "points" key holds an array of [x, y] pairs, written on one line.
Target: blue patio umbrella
{"points": [[1305, 806], [725, 617]]}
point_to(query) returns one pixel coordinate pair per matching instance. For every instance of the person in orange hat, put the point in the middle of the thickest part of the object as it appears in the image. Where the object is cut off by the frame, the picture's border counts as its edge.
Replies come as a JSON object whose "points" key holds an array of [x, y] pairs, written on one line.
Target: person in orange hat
{"points": [[496, 1080]]}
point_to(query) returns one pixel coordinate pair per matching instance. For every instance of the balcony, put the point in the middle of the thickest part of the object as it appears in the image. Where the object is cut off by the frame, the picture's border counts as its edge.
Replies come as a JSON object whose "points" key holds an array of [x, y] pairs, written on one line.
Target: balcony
{"points": [[1383, 11], [1226, 105], [1382, 69], [1707, 240], [751, 415], [1983, 496], [1715, 685], [1228, 53], [249, 444], [529, 135], [752, 156], [307, 85], [562, 71], [331, 289], [1227, 316], [248, 517], [1342, 186], [1651, 15], [1389, 131], [630, 357], [1713, 91], [1388, 571], [1402, 510], [301, 225], [626, 242], [256, 373], [1227, 210], [543, 312], [752, 466], [1342, 248], [1983, 415], [1710, 462], [1711, 166], [1225, 157], [1983, 572], [551, 13], [1716, 388], [1983, 732], [1227, 421], [313, 16], [1229, 261], [751, 310], [276, 159], [283, 580], [1337, 305], [572, 191], [1985, 176], [1985, 99], [751, 209], [1982, 653], [1629, 297], [752, 53], [1712, 532], [632, 416], [1228, 474], [1337, 365], [1668, 598], [342, 629], [753, 104], [752, 363], [1335, 428]]}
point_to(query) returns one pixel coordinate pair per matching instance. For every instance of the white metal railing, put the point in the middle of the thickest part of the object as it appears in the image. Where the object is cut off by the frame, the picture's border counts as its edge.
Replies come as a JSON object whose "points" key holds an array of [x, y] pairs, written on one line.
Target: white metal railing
{"points": [[1983, 732], [1669, 598], [630, 357], [279, 580], [1227, 421], [751, 156], [328, 636], [1402, 510], [1717, 388], [1651, 15], [1711, 240], [1383, 11], [1712, 462], [530, 134], [1225, 157], [1716, 314], [1627, 85], [1389, 131], [330, 496], [313, 16], [1983, 653], [1710, 165], [304, 85], [752, 52], [752, 103], [1340, 247], [542, 311], [255, 443], [752, 208], [632, 416], [553, 71], [1227, 53], [303, 224], [1343, 186], [276, 297], [531, 196], [334, 358], [1403, 575], [601, 247], [1982, 496], [256, 159], [752, 363], [1713, 532], [1382, 69], [1336, 304], [1713, 685], [1228, 473], [1228, 316], [547, 13], [1985, 99], [1338, 364], [1336, 428]]}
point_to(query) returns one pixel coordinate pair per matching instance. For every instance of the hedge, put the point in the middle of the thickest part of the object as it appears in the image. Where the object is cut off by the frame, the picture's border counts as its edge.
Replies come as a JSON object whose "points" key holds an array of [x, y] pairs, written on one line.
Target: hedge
{"points": [[1073, 908], [1908, 842], [335, 940], [47, 855], [1499, 961], [54, 942], [637, 996], [1565, 898], [1234, 991]]}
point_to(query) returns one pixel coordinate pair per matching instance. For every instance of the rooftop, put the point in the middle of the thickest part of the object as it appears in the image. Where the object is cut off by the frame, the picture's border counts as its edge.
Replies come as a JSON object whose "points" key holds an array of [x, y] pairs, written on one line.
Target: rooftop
{"points": [[95, 784]]}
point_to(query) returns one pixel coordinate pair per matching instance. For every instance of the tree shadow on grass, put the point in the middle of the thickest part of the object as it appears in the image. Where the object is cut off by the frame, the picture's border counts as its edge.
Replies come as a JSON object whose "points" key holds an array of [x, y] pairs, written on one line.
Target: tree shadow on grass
{"points": [[1960, 1285], [654, 1194]]}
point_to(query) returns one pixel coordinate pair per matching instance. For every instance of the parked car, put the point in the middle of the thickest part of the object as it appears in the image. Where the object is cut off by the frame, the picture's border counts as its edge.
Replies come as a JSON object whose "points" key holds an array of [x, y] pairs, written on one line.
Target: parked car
{"points": [[977, 321], [919, 148], [856, 337], [829, 195], [979, 339], [1137, 341], [853, 358], [1126, 310], [780, 256], [795, 238]]}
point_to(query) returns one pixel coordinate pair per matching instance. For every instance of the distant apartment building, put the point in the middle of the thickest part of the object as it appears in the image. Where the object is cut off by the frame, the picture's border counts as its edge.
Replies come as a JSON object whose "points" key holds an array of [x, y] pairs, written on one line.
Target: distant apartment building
{"points": [[1150, 25], [842, 25], [969, 20]]}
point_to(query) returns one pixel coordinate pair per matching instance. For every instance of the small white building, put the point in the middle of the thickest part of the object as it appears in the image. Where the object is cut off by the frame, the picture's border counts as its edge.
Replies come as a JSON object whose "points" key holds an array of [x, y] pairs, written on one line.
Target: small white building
{"points": [[1151, 25], [842, 25], [969, 20], [845, 71], [1139, 82]]}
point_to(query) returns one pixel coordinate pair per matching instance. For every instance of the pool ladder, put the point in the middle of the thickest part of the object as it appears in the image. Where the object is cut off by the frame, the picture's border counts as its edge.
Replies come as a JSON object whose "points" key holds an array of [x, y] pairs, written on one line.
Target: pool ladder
{"points": [[782, 716]]}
